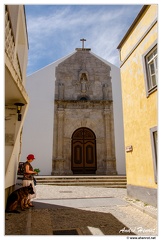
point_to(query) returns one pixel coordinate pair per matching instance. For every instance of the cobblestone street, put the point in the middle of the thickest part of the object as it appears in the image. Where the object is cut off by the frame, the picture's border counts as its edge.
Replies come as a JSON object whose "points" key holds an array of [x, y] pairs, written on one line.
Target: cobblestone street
{"points": [[80, 210]]}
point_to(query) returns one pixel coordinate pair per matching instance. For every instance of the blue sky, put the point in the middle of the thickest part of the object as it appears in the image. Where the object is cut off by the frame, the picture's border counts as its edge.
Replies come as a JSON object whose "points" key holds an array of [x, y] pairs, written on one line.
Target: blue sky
{"points": [[54, 31]]}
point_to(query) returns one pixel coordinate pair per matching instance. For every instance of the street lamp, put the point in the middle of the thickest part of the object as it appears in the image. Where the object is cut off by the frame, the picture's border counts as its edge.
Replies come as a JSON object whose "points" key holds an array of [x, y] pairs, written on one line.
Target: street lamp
{"points": [[19, 107]]}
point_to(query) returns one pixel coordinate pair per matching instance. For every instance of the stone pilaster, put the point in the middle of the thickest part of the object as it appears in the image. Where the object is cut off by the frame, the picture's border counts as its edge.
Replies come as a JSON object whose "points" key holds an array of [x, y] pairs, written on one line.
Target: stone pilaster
{"points": [[110, 161], [60, 133], [58, 162]]}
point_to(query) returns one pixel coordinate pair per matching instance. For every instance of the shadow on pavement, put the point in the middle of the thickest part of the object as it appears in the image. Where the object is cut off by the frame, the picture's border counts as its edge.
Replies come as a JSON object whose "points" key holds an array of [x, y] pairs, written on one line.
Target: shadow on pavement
{"points": [[44, 219]]}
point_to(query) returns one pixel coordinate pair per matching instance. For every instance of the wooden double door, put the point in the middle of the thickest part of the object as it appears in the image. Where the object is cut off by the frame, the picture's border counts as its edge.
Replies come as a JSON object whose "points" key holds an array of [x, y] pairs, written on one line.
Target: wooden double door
{"points": [[83, 159]]}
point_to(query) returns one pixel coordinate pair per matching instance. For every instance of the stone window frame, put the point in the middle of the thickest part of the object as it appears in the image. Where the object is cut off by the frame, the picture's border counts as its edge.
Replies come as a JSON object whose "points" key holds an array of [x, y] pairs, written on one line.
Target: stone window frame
{"points": [[150, 87], [154, 146]]}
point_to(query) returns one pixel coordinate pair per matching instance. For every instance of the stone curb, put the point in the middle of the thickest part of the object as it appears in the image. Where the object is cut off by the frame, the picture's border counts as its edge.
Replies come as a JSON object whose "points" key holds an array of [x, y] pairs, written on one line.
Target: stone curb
{"points": [[144, 210]]}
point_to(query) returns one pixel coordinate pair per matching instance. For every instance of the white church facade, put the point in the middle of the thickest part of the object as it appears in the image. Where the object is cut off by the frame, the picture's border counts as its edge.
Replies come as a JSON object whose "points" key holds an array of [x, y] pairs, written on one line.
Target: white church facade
{"points": [[74, 124]]}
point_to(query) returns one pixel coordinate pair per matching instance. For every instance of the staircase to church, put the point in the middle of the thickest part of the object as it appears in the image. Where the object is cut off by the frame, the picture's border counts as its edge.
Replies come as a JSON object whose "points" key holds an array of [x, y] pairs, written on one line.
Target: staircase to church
{"points": [[116, 181]]}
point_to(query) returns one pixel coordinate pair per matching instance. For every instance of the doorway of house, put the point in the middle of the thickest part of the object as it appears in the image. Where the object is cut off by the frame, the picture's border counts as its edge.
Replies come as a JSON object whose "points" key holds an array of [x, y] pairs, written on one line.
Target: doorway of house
{"points": [[83, 160]]}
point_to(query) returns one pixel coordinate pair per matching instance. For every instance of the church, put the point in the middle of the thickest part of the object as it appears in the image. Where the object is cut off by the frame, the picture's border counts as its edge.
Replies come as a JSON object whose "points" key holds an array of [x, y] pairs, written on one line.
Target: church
{"points": [[74, 123]]}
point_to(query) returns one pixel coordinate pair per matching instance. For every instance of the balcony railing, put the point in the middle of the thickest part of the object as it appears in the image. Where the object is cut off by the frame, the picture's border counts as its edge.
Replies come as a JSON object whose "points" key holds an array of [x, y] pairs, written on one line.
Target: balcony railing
{"points": [[10, 46]]}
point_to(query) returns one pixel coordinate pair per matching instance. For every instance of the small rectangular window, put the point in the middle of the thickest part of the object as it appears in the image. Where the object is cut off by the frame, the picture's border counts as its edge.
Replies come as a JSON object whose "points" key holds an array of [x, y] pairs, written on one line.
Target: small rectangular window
{"points": [[151, 61], [154, 145], [151, 69]]}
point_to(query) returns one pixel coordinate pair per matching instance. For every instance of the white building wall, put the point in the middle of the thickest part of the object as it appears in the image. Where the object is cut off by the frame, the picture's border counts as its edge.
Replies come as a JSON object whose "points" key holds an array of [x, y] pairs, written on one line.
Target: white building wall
{"points": [[118, 120], [37, 135], [38, 126]]}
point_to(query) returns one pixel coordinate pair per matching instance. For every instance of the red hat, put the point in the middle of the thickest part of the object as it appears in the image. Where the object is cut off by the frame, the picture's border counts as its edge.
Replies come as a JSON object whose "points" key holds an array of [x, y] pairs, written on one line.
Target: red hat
{"points": [[30, 156]]}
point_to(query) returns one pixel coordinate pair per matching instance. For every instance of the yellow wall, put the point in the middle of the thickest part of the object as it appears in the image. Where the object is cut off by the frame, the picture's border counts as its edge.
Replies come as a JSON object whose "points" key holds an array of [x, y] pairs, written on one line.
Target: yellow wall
{"points": [[140, 112], [144, 23]]}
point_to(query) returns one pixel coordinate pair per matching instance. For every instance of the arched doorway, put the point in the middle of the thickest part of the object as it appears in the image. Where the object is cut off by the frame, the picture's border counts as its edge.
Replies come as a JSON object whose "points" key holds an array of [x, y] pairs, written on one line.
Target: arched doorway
{"points": [[83, 150]]}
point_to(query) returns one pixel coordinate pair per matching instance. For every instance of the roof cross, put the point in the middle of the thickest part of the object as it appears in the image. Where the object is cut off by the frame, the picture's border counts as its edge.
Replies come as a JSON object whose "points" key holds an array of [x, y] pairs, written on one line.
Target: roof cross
{"points": [[82, 40]]}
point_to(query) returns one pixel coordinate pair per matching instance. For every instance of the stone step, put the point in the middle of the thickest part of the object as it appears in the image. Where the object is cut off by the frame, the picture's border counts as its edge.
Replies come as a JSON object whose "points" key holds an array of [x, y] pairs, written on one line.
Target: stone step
{"points": [[79, 177], [80, 180], [87, 184], [83, 184], [92, 182], [106, 181]]}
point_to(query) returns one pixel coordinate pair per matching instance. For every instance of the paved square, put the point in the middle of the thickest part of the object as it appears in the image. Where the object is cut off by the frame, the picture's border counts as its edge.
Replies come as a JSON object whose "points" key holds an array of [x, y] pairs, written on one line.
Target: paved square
{"points": [[82, 202]]}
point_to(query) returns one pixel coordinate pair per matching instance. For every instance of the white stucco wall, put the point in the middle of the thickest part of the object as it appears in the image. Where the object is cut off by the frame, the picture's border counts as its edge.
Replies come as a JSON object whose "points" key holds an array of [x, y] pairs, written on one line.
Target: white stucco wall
{"points": [[118, 120], [38, 126], [37, 135]]}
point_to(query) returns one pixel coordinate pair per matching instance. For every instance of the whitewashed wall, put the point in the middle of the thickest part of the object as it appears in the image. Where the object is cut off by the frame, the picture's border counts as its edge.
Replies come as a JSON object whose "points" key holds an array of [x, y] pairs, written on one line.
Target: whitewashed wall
{"points": [[37, 137], [118, 120], [38, 126]]}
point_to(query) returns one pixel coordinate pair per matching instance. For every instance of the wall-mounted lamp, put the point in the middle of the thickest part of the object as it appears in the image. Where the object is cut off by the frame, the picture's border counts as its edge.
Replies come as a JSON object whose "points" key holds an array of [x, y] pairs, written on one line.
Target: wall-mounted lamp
{"points": [[19, 107]]}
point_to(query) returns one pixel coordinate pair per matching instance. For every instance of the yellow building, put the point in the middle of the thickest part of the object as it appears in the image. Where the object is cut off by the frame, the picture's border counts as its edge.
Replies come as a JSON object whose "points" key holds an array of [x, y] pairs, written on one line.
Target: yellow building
{"points": [[16, 98], [138, 56]]}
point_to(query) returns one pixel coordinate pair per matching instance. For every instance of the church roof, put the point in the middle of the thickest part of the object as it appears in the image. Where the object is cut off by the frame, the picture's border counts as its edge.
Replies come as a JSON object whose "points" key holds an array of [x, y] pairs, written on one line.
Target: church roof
{"points": [[88, 50], [55, 63]]}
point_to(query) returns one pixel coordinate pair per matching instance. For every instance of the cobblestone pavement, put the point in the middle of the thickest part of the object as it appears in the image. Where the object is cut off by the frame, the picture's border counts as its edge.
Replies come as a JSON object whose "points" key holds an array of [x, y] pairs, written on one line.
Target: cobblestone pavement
{"points": [[83, 211]]}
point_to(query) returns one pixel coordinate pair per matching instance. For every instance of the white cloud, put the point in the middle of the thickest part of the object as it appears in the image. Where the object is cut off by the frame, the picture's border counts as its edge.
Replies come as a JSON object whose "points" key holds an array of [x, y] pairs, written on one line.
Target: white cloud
{"points": [[58, 34]]}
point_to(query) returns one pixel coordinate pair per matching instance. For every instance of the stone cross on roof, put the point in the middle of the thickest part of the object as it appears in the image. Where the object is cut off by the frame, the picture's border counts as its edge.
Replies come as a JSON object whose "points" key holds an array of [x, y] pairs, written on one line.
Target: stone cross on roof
{"points": [[82, 40]]}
